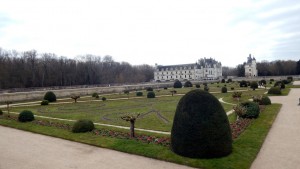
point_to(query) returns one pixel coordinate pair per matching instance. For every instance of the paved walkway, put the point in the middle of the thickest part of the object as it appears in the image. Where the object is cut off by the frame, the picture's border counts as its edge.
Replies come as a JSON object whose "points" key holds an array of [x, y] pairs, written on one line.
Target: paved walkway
{"points": [[281, 149], [25, 150]]}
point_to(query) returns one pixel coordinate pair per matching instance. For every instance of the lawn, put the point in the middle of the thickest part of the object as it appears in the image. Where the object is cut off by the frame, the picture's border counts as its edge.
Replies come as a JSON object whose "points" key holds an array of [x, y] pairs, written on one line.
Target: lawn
{"points": [[156, 113]]}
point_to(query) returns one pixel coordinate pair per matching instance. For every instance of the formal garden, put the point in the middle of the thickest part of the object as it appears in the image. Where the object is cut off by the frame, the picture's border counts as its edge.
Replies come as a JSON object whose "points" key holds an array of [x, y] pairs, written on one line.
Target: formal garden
{"points": [[185, 109]]}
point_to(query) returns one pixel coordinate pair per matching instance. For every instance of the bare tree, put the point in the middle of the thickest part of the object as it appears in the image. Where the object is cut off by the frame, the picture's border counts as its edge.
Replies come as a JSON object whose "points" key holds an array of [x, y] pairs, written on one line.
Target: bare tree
{"points": [[132, 120], [75, 97]]}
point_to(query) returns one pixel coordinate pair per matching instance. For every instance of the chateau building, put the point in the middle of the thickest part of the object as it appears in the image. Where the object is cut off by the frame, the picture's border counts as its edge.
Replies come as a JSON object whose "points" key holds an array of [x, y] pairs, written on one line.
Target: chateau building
{"points": [[250, 67], [203, 69]]}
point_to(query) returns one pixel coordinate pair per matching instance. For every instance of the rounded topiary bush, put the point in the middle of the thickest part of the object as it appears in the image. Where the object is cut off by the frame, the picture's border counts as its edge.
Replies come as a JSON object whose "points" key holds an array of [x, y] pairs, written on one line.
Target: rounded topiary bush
{"points": [[253, 85], [150, 95], [274, 90], [200, 127], [103, 98], [82, 126], [188, 84], [50, 96], [26, 116], [177, 84], [197, 86], [44, 102], [149, 89], [94, 95], [290, 78], [243, 83], [263, 82], [265, 100], [223, 81], [285, 81], [1, 112], [139, 93], [224, 90], [229, 80], [252, 110]]}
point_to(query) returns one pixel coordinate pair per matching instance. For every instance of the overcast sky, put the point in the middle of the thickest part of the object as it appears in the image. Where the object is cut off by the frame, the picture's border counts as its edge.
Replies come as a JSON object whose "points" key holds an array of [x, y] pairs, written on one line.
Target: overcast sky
{"points": [[154, 31]]}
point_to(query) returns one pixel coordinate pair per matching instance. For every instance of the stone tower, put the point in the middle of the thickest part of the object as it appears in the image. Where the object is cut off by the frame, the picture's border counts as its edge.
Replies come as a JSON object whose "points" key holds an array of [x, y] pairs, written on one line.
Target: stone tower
{"points": [[250, 67]]}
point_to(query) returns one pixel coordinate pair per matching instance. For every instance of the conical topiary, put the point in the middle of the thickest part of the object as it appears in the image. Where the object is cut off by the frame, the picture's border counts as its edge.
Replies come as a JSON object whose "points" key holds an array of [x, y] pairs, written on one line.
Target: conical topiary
{"points": [[200, 127]]}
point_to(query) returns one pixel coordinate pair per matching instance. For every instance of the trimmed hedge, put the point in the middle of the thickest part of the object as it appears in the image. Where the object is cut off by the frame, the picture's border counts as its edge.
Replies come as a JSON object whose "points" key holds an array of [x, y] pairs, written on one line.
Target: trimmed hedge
{"points": [[150, 95], [253, 85], [243, 83], [263, 82], [224, 90], [280, 84], [44, 102], [26, 116], [139, 93], [177, 84], [188, 84], [265, 100], [290, 78], [252, 109], [82, 126], [274, 90], [50, 96], [149, 89], [200, 127]]}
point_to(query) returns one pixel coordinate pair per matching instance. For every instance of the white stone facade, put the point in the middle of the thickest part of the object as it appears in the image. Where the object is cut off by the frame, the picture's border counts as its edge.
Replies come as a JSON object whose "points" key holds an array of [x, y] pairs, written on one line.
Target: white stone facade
{"points": [[204, 69], [250, 67]]}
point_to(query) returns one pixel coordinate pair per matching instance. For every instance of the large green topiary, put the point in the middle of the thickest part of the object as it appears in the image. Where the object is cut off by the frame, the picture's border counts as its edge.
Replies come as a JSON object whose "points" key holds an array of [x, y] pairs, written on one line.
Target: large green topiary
{"points": [[82, 126], [1, 112], [177, 84], [50, 96], [200, 127], [26, 116]]}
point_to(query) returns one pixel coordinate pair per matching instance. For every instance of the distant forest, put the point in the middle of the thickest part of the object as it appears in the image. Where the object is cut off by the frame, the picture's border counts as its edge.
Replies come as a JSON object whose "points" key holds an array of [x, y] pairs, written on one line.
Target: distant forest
{"points": [[31, 69]]}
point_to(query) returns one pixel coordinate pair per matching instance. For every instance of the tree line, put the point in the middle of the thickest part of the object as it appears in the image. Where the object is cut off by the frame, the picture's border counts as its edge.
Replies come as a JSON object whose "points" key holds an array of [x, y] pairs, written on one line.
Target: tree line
{"points": [[266, 68], [32, 69]]}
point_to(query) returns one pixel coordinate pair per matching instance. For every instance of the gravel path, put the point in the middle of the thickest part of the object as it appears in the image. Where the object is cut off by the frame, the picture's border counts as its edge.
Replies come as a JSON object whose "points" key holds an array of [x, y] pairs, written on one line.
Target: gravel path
{"points": [[25, 150], [281, 149]]}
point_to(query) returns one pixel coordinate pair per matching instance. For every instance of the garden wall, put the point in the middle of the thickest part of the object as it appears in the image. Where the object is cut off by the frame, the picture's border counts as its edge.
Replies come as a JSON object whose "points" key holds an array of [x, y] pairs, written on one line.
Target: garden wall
{"points": [[38, 95]]}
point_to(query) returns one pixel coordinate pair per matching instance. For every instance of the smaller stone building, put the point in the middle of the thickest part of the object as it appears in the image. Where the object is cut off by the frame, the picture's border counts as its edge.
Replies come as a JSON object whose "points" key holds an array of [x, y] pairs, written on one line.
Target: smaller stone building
{"points": [[250, 67]]}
